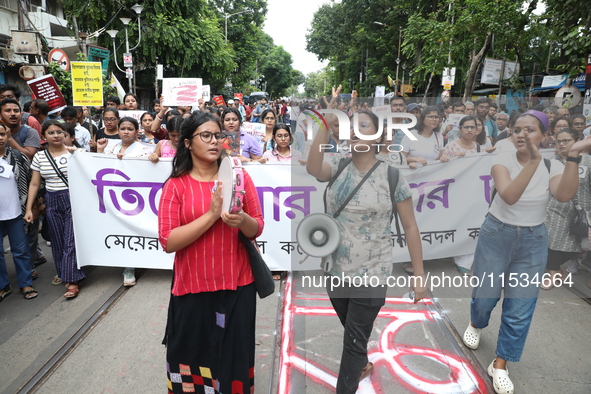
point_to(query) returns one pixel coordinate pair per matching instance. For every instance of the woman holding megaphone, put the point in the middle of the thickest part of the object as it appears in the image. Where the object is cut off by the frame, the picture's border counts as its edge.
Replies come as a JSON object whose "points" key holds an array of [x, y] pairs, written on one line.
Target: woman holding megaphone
{"points": [[360, 190]]}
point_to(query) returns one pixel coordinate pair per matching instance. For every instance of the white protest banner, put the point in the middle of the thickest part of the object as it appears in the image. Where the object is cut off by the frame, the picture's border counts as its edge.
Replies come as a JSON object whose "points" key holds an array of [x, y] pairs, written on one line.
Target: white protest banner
{"points": [[115, 205], [257, 130], [181, 91], [206, 92]]}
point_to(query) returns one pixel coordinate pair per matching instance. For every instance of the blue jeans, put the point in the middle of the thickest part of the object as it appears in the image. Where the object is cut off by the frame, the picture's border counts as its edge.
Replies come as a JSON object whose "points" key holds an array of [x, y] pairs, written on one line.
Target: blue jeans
{"points": [[504, 252], [19, 246], [300, 142]]}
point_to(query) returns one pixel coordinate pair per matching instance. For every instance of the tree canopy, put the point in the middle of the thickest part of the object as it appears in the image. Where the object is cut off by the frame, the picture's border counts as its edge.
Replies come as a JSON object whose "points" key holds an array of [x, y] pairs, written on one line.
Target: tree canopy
{"points": [[189, 39], [361, 39]]}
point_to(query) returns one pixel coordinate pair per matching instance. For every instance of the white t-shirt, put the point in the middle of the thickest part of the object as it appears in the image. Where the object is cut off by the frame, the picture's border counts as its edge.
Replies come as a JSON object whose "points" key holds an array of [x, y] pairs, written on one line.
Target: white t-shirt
{"points": [[83, 137], [10, 206], [530, 210], [505, 145], [423, 147]]}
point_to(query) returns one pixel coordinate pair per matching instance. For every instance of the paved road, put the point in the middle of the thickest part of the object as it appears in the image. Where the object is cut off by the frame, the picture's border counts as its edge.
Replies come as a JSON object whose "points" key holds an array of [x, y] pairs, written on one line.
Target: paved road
{"points": [[122, 352]]}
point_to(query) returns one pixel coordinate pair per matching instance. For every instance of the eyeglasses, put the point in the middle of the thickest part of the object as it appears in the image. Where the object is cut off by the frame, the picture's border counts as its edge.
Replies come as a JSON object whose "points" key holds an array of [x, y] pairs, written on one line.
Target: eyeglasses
{"points": [[433, 117], [564, 142], [560, 127], [282, 137], [58, 132], [579, 124], [469, 127], [110, 120], [207, 135]]}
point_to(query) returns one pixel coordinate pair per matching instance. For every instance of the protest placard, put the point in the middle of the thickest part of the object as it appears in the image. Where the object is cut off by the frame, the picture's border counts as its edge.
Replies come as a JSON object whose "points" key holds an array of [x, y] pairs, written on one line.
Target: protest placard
{"points": [[87, 84], [46, 88], [181, 91]]}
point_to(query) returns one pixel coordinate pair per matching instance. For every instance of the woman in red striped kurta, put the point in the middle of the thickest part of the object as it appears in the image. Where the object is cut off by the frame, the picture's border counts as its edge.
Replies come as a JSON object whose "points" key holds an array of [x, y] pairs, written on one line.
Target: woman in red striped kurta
{"points": [[210, 333]]}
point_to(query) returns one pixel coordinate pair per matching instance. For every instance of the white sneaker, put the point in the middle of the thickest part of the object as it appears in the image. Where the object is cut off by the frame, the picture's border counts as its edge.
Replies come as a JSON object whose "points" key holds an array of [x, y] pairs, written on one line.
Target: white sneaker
{"points": [[129, 277], [501, 382], [472, 337]]}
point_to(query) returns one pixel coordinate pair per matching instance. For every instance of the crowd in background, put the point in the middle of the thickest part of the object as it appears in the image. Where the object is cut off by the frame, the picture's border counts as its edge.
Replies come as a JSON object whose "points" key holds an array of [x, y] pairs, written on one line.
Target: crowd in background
{"points": [[484, 128]]}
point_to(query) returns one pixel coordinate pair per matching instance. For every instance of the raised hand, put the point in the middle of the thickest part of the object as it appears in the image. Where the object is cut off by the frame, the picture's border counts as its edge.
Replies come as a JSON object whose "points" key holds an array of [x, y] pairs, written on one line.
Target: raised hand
{"points": [[101, 144], [580, 146], [534, 152], [337, 91]]}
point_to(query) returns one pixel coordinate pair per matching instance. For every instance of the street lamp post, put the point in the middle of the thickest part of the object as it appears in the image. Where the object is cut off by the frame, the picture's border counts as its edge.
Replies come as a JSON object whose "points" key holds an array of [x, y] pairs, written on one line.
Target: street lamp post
{"points": [[398, 60], [402, 86], [127, 59], [226, 16]]}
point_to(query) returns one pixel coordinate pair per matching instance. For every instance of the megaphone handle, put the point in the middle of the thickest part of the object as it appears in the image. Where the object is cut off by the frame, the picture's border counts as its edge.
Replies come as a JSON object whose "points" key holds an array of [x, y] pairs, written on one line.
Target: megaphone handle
{"points": [[304, 259]]}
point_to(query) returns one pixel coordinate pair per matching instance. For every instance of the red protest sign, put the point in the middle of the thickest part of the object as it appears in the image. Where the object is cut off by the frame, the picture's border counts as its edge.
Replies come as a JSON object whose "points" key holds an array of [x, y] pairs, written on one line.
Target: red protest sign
{"points": [[219, 100], [46, 88], [238, 96]]}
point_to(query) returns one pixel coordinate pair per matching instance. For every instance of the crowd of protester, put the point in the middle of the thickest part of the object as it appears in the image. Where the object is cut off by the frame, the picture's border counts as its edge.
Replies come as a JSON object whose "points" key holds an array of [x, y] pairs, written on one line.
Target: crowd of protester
{"points": [[35, 148]]}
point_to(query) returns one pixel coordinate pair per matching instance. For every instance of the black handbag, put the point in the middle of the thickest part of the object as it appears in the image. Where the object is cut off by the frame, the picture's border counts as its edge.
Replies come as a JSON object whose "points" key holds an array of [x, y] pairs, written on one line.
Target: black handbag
{"points": [[579, 226], [263, 279]]}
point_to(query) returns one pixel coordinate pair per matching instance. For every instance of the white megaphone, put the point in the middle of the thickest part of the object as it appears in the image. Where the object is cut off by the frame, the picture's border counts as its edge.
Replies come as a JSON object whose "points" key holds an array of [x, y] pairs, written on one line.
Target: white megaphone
{"points": [[319, 236]]}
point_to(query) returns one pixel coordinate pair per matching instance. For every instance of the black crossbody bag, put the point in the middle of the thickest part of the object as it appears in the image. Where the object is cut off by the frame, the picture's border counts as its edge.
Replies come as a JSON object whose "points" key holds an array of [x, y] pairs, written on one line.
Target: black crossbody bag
{"points": [[58, 172]]}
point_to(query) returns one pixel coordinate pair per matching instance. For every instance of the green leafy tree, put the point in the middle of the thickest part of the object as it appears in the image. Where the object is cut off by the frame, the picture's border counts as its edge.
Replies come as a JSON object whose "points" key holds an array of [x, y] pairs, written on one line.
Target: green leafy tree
{"points": [[570, 24], [183, 35], [276, 67]]}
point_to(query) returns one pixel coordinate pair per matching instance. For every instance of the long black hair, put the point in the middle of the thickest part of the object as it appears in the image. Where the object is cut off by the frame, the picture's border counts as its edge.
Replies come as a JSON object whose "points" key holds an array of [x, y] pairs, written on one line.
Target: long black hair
{"points": [[183, 162], [481, 137], [231, 110], [276, 128], [421, 122], [266, 112], [467, 119], [573, 133]]}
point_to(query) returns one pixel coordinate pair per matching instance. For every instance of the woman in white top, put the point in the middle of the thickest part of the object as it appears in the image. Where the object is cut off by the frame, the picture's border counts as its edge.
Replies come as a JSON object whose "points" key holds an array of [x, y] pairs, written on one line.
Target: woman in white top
{"points": [[128, 147], [429, 144], [512, 246], [57, 199]]}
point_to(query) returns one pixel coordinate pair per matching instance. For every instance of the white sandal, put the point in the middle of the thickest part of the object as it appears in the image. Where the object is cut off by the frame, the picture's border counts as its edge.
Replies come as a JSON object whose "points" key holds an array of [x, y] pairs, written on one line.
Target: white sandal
{"points": [[501, 382], [472, 337]]}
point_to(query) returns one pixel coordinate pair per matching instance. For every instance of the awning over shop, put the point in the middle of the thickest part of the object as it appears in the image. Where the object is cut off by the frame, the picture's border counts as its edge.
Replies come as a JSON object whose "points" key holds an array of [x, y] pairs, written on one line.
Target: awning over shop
{"points": [[555, 82]]}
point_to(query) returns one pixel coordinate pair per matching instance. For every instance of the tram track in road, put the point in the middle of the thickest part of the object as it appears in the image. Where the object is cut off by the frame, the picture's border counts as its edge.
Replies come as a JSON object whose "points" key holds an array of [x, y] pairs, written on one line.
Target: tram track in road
{"points": [[70, 345]]}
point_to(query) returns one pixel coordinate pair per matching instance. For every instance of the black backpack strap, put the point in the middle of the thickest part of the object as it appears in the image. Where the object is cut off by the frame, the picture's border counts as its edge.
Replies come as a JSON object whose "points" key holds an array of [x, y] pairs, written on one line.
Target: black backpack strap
{"points": [[344, 162], [393, 176], [352, 194]]}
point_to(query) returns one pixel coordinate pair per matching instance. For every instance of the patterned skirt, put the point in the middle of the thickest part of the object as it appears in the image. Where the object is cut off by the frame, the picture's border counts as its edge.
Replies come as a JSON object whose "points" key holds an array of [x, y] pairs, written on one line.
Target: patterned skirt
{"points": [[210, 341]]}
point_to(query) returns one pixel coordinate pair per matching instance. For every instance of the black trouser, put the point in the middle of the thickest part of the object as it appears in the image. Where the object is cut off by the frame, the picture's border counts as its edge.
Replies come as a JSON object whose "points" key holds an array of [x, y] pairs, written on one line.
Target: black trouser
{"points": [[357, 308], [556, 258]]}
